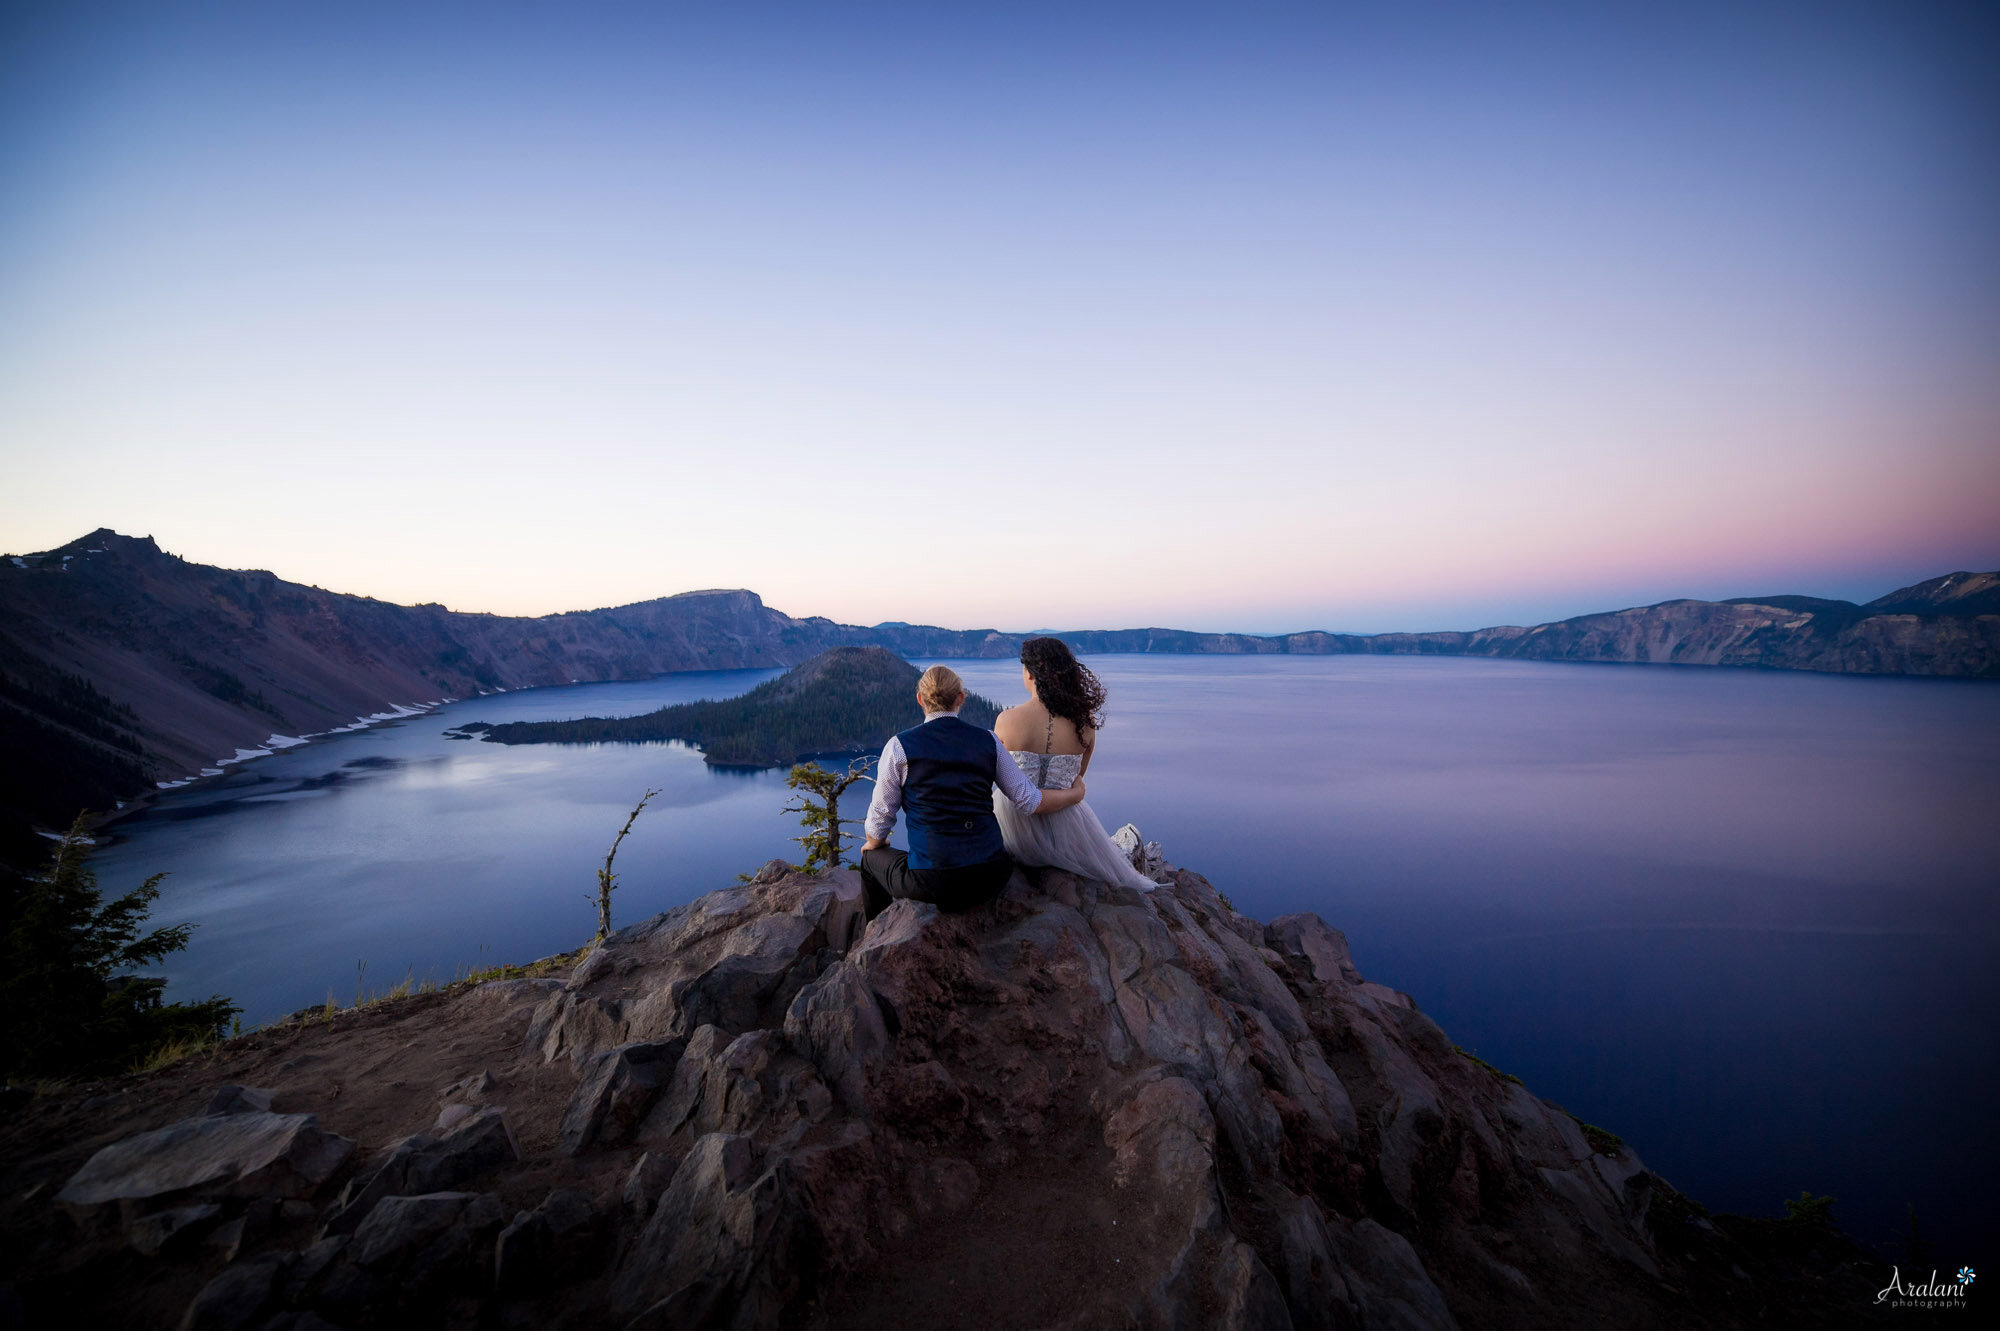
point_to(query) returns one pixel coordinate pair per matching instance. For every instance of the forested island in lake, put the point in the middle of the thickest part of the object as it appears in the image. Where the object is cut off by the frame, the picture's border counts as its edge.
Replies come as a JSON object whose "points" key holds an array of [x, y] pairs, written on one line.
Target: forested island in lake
{"points": [[847, 700]]}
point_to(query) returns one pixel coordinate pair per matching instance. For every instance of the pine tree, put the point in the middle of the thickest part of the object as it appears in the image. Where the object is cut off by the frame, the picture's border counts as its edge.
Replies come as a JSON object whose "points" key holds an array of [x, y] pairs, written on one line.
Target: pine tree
{"points": [[70, 1007], [821, 816]]}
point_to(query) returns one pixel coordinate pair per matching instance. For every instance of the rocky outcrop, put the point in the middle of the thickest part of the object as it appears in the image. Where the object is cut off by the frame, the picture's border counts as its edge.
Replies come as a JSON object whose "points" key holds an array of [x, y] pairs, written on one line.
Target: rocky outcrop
{"points": [[1146, 856], [1078, 1106]]}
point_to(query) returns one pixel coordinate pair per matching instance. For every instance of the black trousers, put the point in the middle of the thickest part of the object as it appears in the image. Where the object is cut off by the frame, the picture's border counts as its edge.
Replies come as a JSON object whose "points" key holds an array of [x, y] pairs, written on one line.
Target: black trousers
{"points": [[887, 876]]}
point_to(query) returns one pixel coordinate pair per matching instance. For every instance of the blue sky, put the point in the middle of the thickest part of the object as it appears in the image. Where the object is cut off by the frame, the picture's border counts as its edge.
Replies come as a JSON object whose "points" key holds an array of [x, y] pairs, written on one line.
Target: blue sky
{"points": [[1247, 317]]}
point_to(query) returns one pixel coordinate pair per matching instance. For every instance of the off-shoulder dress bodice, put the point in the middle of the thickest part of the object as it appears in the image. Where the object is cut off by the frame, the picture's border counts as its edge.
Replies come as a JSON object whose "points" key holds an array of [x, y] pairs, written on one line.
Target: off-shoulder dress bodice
{"points": [[1069, 838], [1049, 771]]}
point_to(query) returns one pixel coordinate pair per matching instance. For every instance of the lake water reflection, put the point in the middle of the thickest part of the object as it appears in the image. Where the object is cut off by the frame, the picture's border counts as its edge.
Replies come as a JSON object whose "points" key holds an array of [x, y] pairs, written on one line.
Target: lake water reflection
{"points": [[1745, 919]]}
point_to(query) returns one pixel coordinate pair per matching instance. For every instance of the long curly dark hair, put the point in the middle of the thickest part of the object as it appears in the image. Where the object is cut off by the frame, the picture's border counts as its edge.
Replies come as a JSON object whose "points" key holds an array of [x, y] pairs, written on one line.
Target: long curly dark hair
{"points": [[1065, 685]]}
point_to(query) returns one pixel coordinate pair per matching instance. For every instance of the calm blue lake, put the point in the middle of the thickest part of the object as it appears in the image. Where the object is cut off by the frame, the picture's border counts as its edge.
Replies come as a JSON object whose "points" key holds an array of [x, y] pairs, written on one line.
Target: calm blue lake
{"points": [[1745, 919]]}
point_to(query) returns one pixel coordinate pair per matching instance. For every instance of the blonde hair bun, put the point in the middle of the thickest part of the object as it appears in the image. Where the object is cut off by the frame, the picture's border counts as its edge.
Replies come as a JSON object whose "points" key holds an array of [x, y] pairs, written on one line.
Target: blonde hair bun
{"points": [[940, 690]]}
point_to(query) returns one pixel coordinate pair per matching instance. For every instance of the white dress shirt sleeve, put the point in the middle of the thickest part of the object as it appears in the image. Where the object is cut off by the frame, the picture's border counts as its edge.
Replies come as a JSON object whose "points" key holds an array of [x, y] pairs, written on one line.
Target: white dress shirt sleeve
{"points": [[1014, 783], [889, 774]]}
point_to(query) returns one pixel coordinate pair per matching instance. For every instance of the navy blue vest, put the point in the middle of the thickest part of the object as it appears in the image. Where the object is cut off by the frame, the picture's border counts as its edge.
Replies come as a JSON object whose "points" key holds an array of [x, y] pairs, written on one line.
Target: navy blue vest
{"points": [[948, 794]]}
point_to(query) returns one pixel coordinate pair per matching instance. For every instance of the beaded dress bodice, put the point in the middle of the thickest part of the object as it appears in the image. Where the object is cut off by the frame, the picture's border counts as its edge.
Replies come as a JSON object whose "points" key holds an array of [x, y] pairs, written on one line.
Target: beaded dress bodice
{"points": [[1070, 838], [1049, 771]]}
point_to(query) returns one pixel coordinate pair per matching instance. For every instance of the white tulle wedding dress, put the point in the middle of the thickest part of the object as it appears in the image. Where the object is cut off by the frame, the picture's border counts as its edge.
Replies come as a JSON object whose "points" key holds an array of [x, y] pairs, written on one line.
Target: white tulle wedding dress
{"points": [[1069, 838]]}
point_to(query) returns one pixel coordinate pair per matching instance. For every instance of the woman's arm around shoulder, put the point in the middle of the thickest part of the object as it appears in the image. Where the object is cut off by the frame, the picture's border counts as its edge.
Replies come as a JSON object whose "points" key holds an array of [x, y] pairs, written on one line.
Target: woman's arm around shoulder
{"points": [[1088, 738]]}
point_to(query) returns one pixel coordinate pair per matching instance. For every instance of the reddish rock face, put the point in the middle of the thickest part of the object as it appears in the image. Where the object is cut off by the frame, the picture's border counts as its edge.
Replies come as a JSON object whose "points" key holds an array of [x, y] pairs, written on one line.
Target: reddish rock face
{"points": [[1167, 1113], [1078, 1106]]}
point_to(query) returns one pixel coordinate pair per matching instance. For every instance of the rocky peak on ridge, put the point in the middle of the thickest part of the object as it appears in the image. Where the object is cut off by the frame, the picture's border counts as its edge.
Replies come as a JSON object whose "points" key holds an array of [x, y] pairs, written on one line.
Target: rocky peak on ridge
{"points": [[1959, 593]]}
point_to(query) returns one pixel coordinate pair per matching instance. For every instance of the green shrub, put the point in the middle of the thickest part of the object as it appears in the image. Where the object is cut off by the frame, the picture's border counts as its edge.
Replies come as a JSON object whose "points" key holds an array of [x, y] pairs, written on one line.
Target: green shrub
{"points": [[1809, 1210], [1503, 1076], [1602, 1141]]}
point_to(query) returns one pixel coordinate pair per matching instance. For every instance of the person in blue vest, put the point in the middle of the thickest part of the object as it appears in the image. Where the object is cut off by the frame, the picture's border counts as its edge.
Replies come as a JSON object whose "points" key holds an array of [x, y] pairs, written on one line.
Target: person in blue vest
{"points": [[941, 776]]}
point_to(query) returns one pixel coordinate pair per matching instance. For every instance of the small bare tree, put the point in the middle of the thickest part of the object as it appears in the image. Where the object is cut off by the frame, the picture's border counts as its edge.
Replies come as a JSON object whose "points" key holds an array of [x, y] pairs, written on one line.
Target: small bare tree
{"points": [[607, 880], [818, 808]]}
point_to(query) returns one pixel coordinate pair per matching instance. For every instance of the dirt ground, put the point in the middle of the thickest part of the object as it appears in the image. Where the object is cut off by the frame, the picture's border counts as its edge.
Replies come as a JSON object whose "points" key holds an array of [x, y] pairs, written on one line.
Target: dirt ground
{"points": [[373, 1074]]}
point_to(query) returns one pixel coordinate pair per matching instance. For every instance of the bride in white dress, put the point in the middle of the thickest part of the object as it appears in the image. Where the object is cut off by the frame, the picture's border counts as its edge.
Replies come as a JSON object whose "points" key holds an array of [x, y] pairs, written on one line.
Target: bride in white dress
{"points": [[1051, 737]]}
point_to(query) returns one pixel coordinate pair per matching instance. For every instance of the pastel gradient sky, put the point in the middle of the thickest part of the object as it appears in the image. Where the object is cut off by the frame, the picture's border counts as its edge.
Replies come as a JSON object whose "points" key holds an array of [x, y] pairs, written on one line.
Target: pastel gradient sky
{"points": [[1225, 316]]}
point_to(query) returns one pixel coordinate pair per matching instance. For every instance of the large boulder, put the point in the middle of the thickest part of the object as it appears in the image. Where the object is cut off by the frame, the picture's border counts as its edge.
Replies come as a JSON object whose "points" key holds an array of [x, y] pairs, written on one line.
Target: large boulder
{"points": [[719, 1248], [155, 1231], [553, 1245], [616, 1089], [836, 1023], [250, 1154], [477, 1143], [234, 1300], [1322, 947], [413, 1251]]}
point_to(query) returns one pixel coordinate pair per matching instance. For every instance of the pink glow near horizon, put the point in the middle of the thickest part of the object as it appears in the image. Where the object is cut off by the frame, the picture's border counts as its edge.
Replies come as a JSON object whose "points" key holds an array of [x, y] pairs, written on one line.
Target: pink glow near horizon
{"points": [[1261, 321]]}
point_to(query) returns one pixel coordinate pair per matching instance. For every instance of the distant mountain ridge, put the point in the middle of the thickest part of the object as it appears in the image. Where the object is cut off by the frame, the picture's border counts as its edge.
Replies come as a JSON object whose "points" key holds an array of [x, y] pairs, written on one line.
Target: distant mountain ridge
{"points": [[122, 665]]}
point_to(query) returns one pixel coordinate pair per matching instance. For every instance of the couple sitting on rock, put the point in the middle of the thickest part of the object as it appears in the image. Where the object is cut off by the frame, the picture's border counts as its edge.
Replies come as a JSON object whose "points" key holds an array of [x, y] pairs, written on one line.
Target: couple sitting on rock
{"points": [[966, 836]]}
